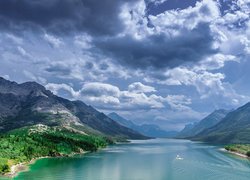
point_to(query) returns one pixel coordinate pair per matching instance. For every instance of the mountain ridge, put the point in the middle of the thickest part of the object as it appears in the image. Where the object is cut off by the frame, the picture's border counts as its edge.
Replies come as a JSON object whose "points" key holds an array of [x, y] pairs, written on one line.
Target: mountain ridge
{"points": [[30, 103], [233, 128], [207, 122]]}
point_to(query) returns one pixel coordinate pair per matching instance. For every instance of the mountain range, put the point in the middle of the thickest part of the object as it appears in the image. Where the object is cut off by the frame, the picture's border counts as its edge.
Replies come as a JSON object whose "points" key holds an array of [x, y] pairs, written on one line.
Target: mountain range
{"points": [[150, 130], [212, 119], [221, 127], [233, 128], [30, 103]]}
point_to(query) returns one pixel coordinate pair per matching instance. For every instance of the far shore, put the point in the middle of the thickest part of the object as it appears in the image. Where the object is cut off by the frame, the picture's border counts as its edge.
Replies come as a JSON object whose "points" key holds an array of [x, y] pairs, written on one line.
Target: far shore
{"points": [[235, 153]]}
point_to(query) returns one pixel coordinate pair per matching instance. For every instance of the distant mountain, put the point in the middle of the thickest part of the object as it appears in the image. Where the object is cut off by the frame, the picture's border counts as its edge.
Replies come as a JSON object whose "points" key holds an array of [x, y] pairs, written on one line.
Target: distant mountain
{"points": [[150, 130], [234, 128], [30, 103], [208, 122], [121, 120], [185, 132], [153, 130]]}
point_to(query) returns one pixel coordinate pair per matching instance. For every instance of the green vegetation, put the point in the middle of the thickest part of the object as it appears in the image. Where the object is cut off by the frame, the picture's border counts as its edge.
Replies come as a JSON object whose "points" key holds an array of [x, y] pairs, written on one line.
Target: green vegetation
{"points": [[25, 144], [239, 148]]}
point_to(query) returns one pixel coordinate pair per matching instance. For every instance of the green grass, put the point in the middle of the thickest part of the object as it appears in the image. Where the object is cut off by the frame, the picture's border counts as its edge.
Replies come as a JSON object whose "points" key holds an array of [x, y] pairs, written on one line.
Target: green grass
{"points": [[239, 148], [22, 145]]}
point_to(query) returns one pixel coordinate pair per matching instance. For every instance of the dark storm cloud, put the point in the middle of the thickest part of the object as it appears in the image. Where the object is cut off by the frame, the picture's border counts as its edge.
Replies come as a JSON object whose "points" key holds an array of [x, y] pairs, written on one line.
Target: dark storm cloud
{"points": [[160, 51], [101, 18], [155, 8], [62, 16], [58, 69]]}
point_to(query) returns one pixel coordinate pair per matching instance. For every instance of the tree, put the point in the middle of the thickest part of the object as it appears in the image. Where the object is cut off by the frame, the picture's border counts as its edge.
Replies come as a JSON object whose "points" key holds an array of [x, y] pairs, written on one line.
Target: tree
{"points": [[248, 153]]}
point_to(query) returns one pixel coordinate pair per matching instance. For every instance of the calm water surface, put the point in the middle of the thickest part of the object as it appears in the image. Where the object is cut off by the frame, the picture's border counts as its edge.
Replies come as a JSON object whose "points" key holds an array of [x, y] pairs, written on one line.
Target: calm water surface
{"points": [[145, 160]]}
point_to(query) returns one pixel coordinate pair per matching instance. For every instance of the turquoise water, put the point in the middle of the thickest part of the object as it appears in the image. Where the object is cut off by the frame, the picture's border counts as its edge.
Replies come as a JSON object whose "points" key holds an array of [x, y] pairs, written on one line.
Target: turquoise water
{"points": [[145, 160]]}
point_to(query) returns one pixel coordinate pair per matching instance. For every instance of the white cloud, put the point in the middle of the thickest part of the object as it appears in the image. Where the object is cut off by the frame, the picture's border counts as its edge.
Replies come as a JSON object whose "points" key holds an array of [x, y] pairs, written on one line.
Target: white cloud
{"points": [[83, 41], [55, 88], [138, 87], [15, 39], [31, 77], [107, 96], [244, 5], [102, 94], [208, 85], [179, 102], [215, 62], [99, 89], [53, 41], [157, 2], [174, 20], [24, 53]]}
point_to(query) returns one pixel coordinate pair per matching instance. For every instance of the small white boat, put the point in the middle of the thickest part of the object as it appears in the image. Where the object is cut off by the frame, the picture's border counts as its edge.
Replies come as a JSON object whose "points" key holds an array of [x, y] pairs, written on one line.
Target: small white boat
{"points": [[178, 157]]}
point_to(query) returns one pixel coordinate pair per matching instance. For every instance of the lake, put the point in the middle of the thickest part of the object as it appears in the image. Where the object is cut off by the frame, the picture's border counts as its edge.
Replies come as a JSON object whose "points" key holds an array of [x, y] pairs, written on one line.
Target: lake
{"points": [[145, 160]]}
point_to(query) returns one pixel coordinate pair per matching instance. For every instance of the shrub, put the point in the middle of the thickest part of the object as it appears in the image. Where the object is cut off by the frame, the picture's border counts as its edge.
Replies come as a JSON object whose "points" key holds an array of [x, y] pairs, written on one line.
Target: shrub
{"points": [[248, 153]]}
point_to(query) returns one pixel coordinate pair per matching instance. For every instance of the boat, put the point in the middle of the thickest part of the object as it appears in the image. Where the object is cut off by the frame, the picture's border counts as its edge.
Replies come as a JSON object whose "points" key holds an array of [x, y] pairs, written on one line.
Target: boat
{"points": [[178, 157]]}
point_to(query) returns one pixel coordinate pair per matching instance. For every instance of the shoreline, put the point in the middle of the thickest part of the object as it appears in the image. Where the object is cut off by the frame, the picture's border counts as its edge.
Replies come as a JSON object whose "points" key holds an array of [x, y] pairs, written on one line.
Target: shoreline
{"points": [[235, 153], [21, 167], [24, 166]]}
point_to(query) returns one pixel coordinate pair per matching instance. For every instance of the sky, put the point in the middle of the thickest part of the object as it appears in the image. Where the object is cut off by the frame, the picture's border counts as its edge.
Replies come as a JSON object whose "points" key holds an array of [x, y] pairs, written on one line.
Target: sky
{"points": [[165, 62]]}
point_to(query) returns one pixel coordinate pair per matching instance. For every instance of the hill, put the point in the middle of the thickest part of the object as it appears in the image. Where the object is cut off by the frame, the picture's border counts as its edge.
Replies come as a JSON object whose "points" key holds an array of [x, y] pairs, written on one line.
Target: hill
{"points": [[27, 143]]}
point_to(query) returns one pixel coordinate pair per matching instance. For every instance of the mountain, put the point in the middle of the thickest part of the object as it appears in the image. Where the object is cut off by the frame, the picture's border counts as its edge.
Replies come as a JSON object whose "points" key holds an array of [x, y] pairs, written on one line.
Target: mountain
{"points": [[153, 130], [234, 128], [186, 130], [121, 120], [30, 104], [208, 122], [150, 130]]}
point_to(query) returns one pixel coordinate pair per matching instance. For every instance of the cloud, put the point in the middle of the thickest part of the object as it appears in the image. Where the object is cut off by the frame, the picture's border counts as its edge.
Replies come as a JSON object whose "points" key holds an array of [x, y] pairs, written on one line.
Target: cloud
{"points": [[174, 38], [160, 60], [56, 88], [15, 39], [160, 51], [59, 69], [23, 52], [63, 17], [179, 102], [98, 89], [33, 77], [111, 97], [215, 62], [209, 85], [83, 41], [138, 87], [83, 67], [53, 41], [205, 11], [158, 6], [108, 97]]}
